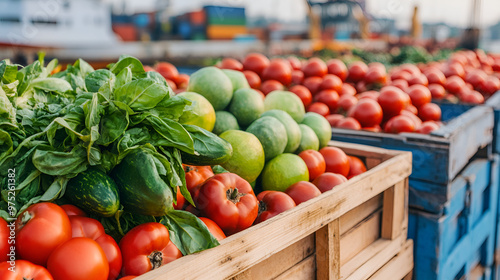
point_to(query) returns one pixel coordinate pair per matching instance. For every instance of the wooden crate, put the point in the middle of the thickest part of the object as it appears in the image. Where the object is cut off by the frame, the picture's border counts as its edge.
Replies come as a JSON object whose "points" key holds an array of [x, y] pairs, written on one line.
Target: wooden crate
{"points": [[349, 232], [400, 267]]}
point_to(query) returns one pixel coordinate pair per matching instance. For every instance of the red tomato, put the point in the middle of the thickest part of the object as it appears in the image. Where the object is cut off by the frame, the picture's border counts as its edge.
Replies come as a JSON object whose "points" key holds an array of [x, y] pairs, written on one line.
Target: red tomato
{"points": [[255, 62], [337, 68], [167, 70], [24, 270], [400, 124], [376, 75], [476, 78], [376, 128], [361, 86], [182, 81], [410, 68], [392, 100], [297, 77], [270, 86], [349, 123], [437, 91], [272, 204], [315, 67], [195, 176], [333, 119], [260, 93], [302, 191], [368, 112], [43, 226], [130, 277], [356, 167], [78, 258], [419, 95], [229, 201], [345, 103], [357, 71], [148, 69], [319, 108], [331, 82], [171, 84], [294, 62], [336, 160], [4, 240], [91, 228], [454, 69], [180, 200], [401, 75], [261, 195], [472, 97], [491, 85], [303, 93], [231, 63], [72, 210], [427, 127], [315, 163], [147, 247], [429, 112], [348, 89], [328, 180], [313, 84], [214, 229], [435, 77], [278, 70], [454, 84], [253, 79], [419, 79], [371, 94], [413, 115], [329, 97], [412, 109]]}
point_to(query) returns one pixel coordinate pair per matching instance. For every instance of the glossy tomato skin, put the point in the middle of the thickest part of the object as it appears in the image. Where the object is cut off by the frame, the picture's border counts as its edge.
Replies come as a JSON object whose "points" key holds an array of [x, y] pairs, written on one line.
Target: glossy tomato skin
{"points": [[142, 244], [419, 95], [356, 167], [181, 200], [79, 258], [429, 112], [130, 277], [435, 77], [336, 160], [345, 103], [182, 81], [24, 270], [329, 97], [472, 97], [419, 79], [44, 226], [400, 83], [315, 67], [255, 62], [297, 77], [337, 68], [328, 181], [196, 175], [253, 79], [214, 229], [4, 240], [400, 124], [231, 63], [333, 119], [347, 89], [91, 228], [278, 70], [348, 123], [427, 127], [229, 201], [393, 100], [272, 204], [371, 94], [167, 70], [319, 108], [331, 82], [303, 93], [368, 112], [270, 86], [302, 191], [294, 62], [437, 91], [357, 71], [376, 75], [72, 210], [454, 84], [315, 163], [313, 84]]}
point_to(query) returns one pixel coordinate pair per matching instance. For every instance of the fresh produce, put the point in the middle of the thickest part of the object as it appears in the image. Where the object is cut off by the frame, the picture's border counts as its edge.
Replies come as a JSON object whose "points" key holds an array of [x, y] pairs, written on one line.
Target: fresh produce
{"points": [[283, 171], [336, 160], [271, 134], [225, 121], [272, 204], [302, 191], [78, 258], [211, 150], [293, 132], [356, 167], [196, 175], [40, 229], [229, 201], [328, 181], [4, 240], [309, 140], [200, 113], [238, 79], [214, 229], [94, 192], [214, 85], [315, 163], [286, 101], [147, 247], [320, 126], [246, 106], [255, 62], [24, 270], [72, 210]]}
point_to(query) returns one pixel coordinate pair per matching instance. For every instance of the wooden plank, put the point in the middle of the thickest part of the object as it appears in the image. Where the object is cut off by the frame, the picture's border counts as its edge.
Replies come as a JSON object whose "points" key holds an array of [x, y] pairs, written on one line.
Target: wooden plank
{"points": [[328, 251], [360, 237], [280, 262], [243, 250], [394, 210], [399, 267], [306, 269], [368, 261], [372, 162], [409, 276], [358, 214]]}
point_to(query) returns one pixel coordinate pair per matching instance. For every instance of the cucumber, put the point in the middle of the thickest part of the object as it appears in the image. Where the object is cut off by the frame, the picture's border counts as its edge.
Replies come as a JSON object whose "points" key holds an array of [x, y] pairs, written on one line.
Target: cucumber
{"points": [[210, 148], [141, 188], [94, 192]]}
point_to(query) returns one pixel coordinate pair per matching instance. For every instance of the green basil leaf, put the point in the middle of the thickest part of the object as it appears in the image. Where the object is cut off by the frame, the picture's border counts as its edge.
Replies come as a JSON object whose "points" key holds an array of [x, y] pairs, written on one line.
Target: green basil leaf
{"points": [[114, 123], [173, 133], [52, 85], [8, 72], [171, 108], [83, 67], [95, 80], [124, 77], [58, 163], [141, 94], [128, 61]]}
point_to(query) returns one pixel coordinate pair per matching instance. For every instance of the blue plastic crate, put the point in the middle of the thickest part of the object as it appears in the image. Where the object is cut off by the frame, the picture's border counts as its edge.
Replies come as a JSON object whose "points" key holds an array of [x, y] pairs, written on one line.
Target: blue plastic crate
{"points": [[450, 245], [440, 156]]}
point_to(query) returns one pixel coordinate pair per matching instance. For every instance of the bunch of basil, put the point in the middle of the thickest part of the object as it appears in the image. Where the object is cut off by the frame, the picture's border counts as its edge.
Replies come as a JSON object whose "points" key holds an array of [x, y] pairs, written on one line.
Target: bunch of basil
{"points": [[53, 127]]}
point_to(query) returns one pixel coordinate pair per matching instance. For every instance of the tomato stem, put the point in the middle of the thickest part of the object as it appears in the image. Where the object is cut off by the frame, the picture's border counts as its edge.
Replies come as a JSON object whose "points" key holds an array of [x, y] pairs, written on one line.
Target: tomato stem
{"points": [[233, 195], [262, 207], [156, 259]]}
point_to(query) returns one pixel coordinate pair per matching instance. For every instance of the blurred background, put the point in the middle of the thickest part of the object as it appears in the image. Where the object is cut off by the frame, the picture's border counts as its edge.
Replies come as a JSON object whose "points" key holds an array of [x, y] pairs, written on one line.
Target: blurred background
{"points": [[195, 32]]}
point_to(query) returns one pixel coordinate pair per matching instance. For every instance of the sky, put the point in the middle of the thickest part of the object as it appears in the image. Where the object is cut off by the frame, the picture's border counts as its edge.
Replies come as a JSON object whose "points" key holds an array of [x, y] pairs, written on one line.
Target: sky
{"points": [[455, 12]]}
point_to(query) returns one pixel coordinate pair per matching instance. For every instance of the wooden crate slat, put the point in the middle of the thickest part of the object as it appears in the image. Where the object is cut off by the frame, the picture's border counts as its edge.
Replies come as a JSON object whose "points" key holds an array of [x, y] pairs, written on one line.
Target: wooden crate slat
{"points": [[394, 210], [360, 237], [304, 270], [397, 268], [328, 251], [358, 214]]}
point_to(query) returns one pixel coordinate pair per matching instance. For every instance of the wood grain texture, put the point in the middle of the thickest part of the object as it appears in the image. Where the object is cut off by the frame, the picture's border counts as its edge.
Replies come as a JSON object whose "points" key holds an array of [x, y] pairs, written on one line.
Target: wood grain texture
{"points": [[360, 237], [302, 271], [328, 251], [398, 267], [394, 210]]}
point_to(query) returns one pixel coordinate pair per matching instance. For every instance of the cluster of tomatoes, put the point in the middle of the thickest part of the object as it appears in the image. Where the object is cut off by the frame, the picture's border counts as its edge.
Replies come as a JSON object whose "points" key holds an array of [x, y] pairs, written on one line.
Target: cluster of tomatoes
{"points": [[177, 82], [61, 242], [230, 204]]}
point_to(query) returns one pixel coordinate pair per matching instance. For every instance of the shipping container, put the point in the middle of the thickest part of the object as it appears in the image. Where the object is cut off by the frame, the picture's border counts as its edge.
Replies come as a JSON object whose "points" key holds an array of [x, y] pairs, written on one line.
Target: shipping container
{"points": [[126, 32], [224, 32], [197, 17]]}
